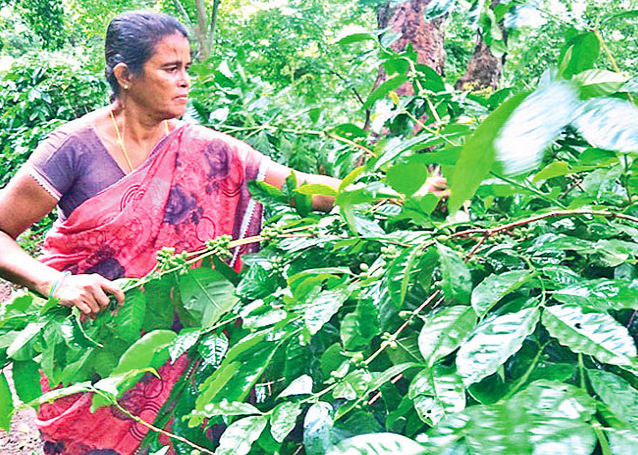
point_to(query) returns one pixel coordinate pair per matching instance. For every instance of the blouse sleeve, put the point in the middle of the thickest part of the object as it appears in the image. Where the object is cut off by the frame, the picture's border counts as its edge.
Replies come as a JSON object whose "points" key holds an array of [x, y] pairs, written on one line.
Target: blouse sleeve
{"points": [[52, 163]]}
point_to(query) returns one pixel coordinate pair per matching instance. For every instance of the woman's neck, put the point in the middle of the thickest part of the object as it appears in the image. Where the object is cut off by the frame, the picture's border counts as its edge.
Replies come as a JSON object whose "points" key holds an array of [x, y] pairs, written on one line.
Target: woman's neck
{"points": [[137, 126]]}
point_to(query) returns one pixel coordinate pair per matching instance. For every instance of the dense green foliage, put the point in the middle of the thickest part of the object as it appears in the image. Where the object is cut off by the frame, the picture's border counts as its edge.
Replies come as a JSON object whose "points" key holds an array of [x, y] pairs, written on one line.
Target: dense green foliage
{"points": [[498, 321], [506, 328]]}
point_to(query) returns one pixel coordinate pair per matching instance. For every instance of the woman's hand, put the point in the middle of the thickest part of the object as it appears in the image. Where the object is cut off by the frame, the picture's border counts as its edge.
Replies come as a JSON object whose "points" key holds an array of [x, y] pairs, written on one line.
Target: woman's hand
{"points": [[87, 292]]}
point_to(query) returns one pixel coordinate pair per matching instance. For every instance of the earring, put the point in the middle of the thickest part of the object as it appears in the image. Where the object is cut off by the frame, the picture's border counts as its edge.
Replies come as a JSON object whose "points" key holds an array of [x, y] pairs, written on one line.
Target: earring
{"points": [[126, 87]]}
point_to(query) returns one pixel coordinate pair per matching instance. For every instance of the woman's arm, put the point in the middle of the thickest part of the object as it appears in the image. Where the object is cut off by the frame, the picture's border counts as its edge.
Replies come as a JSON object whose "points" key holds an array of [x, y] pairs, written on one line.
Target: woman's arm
{"points": [[277, 175], [22, 203]]}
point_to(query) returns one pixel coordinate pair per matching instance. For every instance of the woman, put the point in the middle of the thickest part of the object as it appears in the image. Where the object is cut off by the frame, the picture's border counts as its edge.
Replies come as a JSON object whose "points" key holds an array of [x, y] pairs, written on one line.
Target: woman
{"points": [[129, 179]]}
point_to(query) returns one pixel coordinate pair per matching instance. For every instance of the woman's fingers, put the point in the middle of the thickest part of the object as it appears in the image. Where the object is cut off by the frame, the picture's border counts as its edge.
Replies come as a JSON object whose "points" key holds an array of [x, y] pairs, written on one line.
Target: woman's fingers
{"points": [[113, 289], [88, 293]]}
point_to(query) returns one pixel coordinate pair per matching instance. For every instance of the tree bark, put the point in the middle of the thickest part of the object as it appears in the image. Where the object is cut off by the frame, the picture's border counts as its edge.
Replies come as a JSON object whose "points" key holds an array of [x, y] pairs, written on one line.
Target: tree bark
{"points": [[202, 30], [426, 38], [483, 70]]}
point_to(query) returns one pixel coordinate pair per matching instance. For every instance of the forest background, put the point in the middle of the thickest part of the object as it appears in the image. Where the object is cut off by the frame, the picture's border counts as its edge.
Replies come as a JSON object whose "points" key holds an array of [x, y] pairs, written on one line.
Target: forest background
{"points": [[499, 321]]}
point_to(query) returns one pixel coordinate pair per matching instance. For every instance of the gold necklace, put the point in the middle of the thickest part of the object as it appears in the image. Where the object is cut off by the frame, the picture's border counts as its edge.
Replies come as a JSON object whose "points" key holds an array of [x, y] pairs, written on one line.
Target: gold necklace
{"points": [[121, 141]]}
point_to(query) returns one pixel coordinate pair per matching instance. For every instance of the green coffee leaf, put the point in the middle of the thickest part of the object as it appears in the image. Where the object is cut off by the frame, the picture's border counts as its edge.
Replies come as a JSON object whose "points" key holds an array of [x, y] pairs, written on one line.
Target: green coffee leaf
{"points": [[130, 316], [283, 420], [493, 342], [597, 82], [493, 288], [322, 305], [579, 54], [206, 295], [444, 331], [240, 435], [383, 89], [457, 281], [437, 393], [601, 294], [6, 403], [185, 340], [149, 351], [401, 271], [478, 154], [317, 429], [596, 334], [299, 386], [26, 380], [617, 393], [407, 178]]}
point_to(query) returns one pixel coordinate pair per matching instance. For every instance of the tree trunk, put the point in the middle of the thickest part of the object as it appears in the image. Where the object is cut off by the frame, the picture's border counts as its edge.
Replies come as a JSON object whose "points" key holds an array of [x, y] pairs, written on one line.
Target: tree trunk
{"points": [[483, 70], [202, 30], [426, 38]]}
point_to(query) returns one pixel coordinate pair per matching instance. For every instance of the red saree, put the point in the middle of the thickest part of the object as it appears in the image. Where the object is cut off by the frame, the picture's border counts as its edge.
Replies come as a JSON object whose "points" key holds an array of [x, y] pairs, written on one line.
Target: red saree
{"points": [[191, 188]]}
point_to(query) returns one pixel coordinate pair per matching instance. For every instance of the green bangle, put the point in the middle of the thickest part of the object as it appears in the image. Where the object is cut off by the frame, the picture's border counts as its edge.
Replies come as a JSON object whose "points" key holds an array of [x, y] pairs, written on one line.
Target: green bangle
{"points": [[57, 283]]}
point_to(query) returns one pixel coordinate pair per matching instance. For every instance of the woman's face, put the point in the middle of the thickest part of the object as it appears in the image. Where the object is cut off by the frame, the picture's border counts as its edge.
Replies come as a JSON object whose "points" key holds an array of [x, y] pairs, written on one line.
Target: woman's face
{"points": [[162, 86]]}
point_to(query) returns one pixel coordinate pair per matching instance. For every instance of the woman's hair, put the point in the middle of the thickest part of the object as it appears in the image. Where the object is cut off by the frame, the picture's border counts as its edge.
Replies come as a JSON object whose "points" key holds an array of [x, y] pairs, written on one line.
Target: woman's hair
{"points": [[131, 38]]}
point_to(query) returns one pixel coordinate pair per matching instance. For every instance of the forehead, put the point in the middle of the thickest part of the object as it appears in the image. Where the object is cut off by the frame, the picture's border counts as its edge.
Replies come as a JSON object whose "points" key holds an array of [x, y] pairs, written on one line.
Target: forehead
{"points": [[172, 48]]}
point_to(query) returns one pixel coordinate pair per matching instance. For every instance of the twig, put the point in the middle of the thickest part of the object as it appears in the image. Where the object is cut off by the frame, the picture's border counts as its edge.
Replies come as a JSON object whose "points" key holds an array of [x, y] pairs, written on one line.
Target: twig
{"points": [[374, 399], [394, 336], [476, 247], [506, 227], [336, 137], [156, 429]]}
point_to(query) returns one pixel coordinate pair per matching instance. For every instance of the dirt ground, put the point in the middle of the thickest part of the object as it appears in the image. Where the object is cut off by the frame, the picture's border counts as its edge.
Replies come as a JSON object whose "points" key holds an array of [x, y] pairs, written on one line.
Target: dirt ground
{"points": [[23, 439]]}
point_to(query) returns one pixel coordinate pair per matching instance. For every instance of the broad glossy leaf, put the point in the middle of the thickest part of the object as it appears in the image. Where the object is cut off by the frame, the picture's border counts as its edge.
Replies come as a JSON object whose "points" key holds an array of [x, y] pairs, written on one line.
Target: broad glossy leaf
{"points": [[284, 419], [228, 408], [322, 305], [240, 435], [617, 393], [257, 283], [436, 393], [26, 380], [601, 294], [444, 331], [457, 281], [381, 378], [378, 444], [213, 348], [6, 403], [317, 431], [407, 178], [596, 334], [316, 189], [353, 386], [19, 348], [533, 125], [148, 351], [547, 418], [478, 154], [130, 316], [596, 82], [495, 287], [622, 442], [185, 340], [579, 54], [383, 89], [206, 295], [493, 342], [300, 386], [609, 123], [554, 169], [401, 271]]}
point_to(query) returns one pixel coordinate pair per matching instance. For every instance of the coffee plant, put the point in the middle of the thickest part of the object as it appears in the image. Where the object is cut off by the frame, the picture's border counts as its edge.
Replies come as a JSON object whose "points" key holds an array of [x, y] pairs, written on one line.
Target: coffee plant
{"points": [[500, 320]]}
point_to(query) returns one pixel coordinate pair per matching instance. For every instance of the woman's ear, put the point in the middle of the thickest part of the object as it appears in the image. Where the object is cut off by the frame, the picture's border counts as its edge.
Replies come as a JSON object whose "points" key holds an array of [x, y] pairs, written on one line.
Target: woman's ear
{"points": [[123, 75]]}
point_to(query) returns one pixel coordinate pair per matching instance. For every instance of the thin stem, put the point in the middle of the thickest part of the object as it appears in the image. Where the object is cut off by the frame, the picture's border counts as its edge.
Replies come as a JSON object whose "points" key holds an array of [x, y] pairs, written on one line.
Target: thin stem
{"points": [[581, 371], [368, 152], [555, 213], [527, 188], [153, 427], [602, 439], [405, 324], [523, 379]]}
